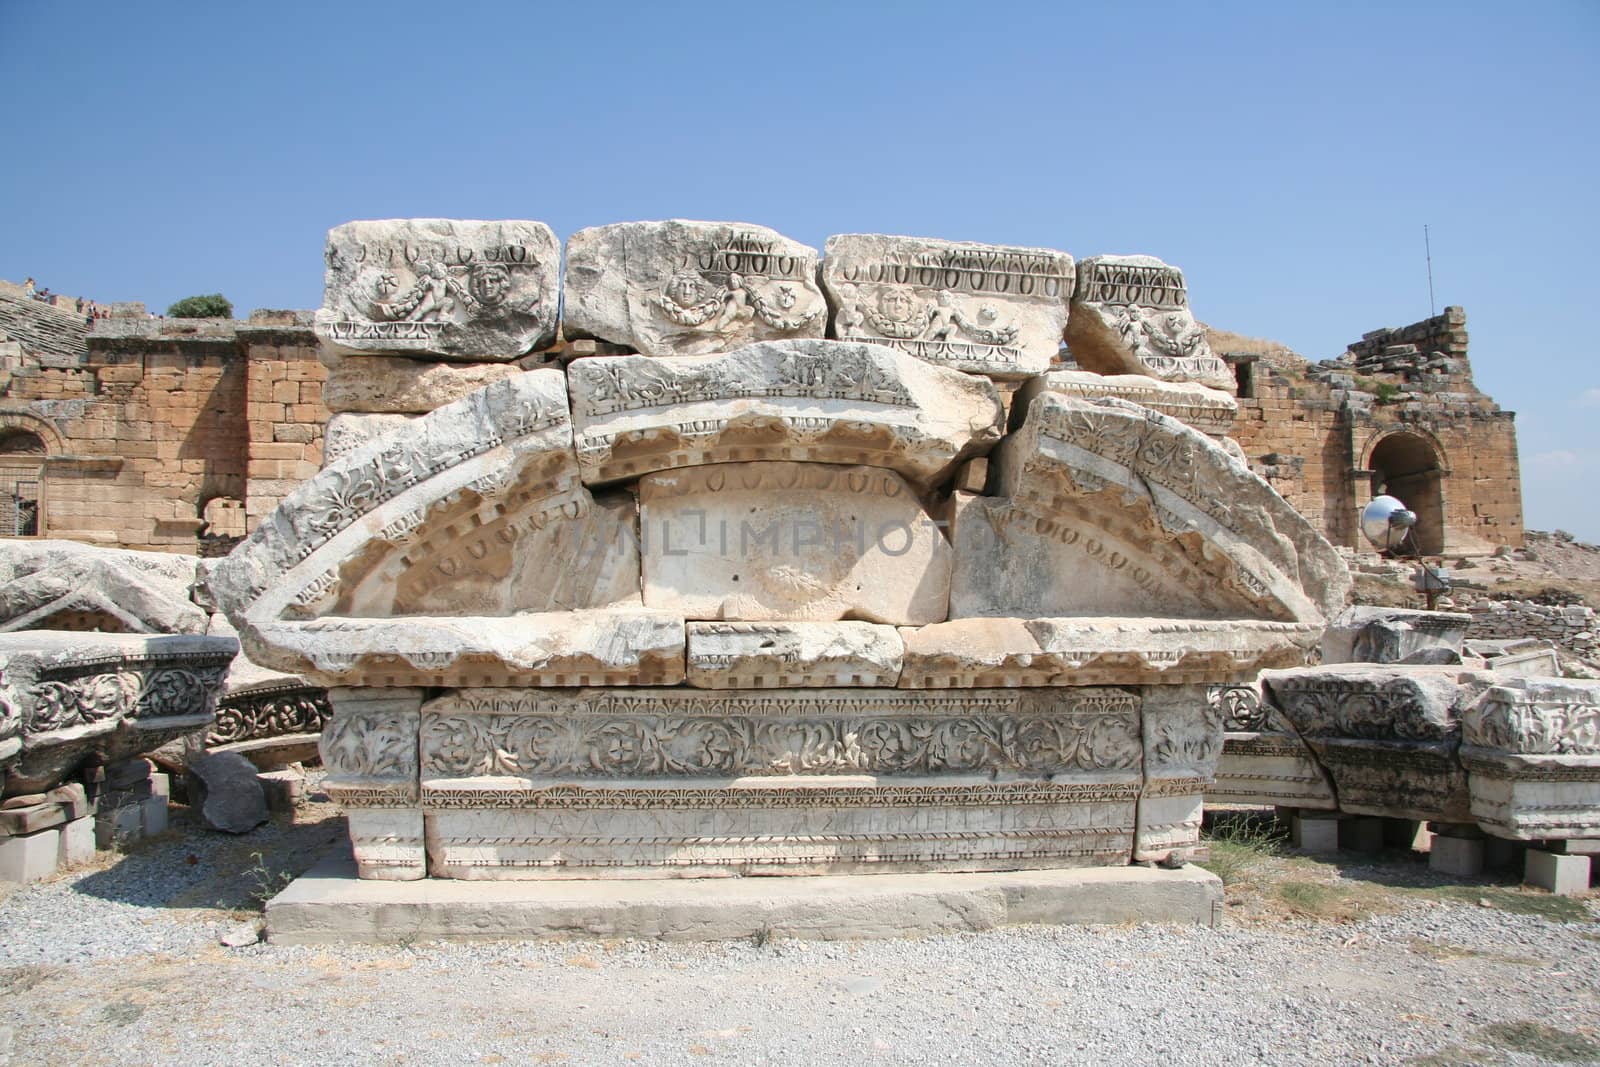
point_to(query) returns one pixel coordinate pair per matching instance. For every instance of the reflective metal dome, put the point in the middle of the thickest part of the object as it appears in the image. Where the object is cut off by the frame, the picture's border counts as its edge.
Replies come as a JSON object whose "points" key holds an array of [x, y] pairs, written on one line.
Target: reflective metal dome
{"points": [[1386, 521]]}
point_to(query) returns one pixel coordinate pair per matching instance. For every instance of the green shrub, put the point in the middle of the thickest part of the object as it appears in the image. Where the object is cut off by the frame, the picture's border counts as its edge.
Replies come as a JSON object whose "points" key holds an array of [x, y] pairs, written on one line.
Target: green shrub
{"points": [[209, 306]]}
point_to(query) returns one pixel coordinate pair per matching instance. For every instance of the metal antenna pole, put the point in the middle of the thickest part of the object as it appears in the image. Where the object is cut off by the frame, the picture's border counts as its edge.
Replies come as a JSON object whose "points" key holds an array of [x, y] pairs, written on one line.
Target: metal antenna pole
{"points": [[1428, 247]]}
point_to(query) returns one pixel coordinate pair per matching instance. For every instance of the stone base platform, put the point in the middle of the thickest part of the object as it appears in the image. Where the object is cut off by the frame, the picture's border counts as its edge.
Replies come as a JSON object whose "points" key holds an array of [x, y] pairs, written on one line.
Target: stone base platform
{"points": [[330, 904]]}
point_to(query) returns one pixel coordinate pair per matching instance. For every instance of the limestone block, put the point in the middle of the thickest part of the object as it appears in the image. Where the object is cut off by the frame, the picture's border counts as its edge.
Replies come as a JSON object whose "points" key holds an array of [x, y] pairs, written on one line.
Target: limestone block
{"points": [[69, 699], [1102, 507], [1565, 876], [31, 818], [1387, 735], [1314, 833], [452, 288], [116, 827], [388, 843], [77, 842], [1461, 857], [1531, 748], [985, 309], [683, 783], [617, 646], [31, 857], [755, 655], [684, 288], [790, 541], [348, 430], [64, 585], [1210, 411], [396, 386], [1367, 634], [1130, 315], [819, 401], [153, 816], [1093, 651], [1182, 730]]}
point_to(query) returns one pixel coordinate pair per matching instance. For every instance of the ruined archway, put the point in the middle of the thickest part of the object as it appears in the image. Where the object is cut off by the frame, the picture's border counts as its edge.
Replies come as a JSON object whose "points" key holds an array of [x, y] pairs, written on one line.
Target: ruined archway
{"points": [[1409, 466], [22, 454]]}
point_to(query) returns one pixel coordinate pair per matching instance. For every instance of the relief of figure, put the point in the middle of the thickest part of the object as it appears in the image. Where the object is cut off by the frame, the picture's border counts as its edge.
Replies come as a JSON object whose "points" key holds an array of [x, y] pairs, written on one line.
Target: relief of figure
{"points": [[1176, 335], [775, 316], [984, 330], [431, 298], [683, 301], [943, 322], [898, 316], [851, 318], [736, 306]]}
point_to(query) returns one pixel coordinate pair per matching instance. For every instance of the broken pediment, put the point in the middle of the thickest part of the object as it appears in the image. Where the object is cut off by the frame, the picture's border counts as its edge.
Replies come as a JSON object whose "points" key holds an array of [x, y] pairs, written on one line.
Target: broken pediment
{"points": [[1103, 507], [810, 400]]}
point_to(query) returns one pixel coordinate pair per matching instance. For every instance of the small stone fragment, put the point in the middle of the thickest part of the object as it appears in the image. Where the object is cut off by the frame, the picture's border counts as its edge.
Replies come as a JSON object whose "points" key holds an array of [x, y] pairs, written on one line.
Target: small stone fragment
{"points": [[224, 788]]}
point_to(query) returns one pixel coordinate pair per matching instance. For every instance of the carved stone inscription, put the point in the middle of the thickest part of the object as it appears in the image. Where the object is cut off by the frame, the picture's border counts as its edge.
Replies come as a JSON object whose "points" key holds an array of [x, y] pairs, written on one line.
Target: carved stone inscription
{"points": [[1131, 316], [454, 288], [986, 309], [690, 288]]}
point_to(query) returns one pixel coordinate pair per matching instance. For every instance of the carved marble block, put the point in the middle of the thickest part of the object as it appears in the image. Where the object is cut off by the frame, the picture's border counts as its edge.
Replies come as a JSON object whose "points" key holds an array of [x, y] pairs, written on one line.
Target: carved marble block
{"points": [[369, 750], [1365, 633], [1103, 507], [1130, 315], [985, 309], [768, 655], [446, 288], [791, 541], [1264, 762], [819, 401], [1182, 731], [1531, 748], [74, 698], [64, 585], [1387, 735], [661, 783], [684, 288], [1211, 411]]}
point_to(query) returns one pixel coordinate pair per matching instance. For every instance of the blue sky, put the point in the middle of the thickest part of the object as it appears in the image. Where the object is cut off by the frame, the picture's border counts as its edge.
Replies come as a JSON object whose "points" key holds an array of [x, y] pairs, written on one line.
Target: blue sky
{"points": [[1286, 156]]}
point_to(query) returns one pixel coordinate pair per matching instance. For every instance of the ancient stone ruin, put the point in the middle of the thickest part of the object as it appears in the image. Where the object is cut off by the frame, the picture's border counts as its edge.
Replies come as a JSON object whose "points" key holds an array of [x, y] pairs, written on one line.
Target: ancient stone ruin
{"points": [[769, 567]]}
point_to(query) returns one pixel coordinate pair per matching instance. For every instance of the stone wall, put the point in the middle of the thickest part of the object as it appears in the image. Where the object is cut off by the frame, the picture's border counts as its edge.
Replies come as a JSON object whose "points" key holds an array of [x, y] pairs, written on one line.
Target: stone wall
{"points": [[149, 437], [1569, 627], [1399, 409]]}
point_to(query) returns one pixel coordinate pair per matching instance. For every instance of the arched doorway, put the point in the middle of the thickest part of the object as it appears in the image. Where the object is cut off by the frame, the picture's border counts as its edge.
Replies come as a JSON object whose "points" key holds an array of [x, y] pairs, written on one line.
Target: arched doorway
{"points": [[22, 455], [1407, 466]]}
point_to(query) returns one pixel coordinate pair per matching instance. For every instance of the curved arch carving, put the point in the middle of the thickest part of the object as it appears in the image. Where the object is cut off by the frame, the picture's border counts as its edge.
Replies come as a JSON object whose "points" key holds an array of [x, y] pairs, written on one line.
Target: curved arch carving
{"points": [[501, 456], [1107, 508]]}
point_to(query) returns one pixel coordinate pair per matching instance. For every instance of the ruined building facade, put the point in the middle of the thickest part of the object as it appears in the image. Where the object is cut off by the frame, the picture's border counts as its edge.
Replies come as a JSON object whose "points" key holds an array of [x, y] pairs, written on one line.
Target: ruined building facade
{"points": [[179, 435]]}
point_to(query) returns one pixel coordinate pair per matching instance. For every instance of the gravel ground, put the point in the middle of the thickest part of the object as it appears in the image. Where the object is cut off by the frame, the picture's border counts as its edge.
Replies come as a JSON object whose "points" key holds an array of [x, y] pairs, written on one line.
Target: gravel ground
{"points": [[123, 965]]}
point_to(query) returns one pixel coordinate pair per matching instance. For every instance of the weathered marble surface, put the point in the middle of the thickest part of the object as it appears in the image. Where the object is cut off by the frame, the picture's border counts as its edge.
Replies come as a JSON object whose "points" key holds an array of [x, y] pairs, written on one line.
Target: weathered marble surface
{"points": [[1182, 734], [1094, 651], [498, 463], [369, 751], [347, 431], [1211, 411], [395, 385], [71, 698], [1130, 315], [1387, 735], [607, 646], [768, 655], [684, 288], [1531, 747], [1367, 634], [1264, 762], [449, 288], [1102, 507], [64, 585], [997, 310], [542, 784], [791, 541], [819, 401]]}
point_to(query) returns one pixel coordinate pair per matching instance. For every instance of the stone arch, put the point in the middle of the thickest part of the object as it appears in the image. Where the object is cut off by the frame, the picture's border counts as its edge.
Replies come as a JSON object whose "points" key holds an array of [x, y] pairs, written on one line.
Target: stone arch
{"points": [[1409, 465], [25, 442]]}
